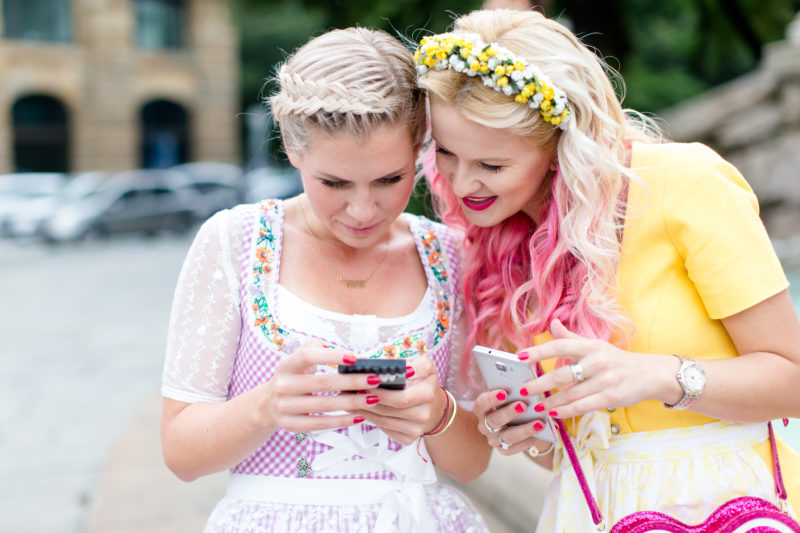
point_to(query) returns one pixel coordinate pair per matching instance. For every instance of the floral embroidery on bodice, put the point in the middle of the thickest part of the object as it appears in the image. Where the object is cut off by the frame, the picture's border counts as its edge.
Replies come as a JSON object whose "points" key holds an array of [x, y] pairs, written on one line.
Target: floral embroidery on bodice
{"points": [[265, 337]]}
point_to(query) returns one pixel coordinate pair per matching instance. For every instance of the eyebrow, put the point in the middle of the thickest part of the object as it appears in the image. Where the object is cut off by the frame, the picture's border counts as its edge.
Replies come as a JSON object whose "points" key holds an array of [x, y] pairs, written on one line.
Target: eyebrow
{"points": [[389, 175]]}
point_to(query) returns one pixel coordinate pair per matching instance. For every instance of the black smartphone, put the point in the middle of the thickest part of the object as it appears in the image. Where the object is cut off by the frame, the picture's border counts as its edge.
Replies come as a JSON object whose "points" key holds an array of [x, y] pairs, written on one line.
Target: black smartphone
{"points": [[391, 371]]}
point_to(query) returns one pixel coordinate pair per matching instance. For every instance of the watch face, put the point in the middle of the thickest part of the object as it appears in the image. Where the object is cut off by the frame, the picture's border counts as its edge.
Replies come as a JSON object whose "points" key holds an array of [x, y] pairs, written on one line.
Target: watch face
{"points": [[694, 379]]}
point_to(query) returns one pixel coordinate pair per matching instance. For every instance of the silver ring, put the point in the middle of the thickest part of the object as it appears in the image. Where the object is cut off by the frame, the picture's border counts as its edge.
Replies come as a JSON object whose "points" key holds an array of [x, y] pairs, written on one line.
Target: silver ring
{"points": [[577, 372], [503, 444], [489, 428]]}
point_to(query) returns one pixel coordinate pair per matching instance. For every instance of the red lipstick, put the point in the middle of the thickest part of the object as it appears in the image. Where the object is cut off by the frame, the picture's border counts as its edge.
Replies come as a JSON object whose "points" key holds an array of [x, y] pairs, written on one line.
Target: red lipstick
{"points": [[478, 203]]}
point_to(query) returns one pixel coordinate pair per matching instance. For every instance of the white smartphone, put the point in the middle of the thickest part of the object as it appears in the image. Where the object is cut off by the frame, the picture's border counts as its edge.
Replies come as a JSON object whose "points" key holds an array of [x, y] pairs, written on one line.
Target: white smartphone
{"points": [[503, 370]]}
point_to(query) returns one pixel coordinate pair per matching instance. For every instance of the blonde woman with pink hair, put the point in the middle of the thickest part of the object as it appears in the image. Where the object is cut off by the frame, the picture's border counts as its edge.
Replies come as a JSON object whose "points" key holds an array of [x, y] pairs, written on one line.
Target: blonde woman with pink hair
{"points": [[637, 271]]}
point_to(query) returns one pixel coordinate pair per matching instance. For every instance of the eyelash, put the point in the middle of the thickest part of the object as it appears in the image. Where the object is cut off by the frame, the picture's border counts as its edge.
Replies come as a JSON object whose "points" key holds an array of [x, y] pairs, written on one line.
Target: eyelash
{"points": [[486, 166], [340, 184]]}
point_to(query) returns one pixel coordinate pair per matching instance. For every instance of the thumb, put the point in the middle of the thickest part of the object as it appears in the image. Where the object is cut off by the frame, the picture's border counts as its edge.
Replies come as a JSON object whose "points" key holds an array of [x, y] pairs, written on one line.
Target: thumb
{"points": [[559, 331]]}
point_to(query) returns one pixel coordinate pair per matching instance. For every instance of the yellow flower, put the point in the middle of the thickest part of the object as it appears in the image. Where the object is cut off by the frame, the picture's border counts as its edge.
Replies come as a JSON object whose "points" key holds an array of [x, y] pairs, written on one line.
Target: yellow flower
{"points": [[526, 92], [491, 51], [502, 81], [475, 65], [547, 92], [484, 57], [484, 69], [417, 54], [500, 70], [519, 65], [556, 121], [430, 62], [545, 105], [441, 53], [464, 52], [521, 97]]}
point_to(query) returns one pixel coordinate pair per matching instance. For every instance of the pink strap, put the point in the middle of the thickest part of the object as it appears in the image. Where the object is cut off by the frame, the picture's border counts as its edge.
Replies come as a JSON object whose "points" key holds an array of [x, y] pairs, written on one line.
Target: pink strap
{"points": [[591, 502], [780, 490]]}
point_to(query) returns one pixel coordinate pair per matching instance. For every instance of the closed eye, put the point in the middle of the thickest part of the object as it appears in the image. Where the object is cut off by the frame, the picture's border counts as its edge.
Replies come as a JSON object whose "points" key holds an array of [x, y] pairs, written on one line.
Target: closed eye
{"points": [[391, 180], [443, 151], [332, 184], [492, 168]]}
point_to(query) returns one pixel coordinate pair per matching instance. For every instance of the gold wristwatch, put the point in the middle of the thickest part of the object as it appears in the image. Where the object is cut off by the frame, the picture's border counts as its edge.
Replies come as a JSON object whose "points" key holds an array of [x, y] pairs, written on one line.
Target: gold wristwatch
{"points": [[692, 380]]}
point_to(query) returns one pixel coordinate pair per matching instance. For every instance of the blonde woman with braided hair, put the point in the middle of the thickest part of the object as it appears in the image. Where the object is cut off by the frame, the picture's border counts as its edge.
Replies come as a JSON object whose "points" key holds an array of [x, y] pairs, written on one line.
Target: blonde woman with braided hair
{"points": [[635, 270], [274, 297]]}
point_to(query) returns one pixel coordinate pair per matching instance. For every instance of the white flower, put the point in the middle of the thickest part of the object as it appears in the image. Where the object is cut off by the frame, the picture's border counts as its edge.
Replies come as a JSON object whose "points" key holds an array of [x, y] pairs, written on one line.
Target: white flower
{"points": [[489, 82], [516, 75], [507, 89], [471, 72], [459, 66], [492, 63], [453, 59], [421, 70]]}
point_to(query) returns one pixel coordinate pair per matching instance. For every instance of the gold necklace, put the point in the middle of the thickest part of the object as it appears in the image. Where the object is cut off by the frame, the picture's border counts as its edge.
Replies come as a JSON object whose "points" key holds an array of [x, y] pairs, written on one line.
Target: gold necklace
{"points": [[349, 283]]}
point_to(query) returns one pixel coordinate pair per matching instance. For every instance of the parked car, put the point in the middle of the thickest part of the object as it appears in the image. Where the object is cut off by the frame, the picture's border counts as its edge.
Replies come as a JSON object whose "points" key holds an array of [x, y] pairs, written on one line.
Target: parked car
{"points": [[214, 185], [141, 201], [27, 220], [20, 192], [271, 182]]}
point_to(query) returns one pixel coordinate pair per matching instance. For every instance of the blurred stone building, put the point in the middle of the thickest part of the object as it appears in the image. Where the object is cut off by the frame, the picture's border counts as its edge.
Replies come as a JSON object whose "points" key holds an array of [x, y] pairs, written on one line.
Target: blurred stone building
{"points": [[116, 84], [754, 122]]}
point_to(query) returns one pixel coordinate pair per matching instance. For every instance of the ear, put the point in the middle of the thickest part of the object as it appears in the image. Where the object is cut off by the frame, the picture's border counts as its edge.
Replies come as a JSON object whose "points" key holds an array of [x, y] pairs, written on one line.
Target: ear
{"points": [[294, 158]]}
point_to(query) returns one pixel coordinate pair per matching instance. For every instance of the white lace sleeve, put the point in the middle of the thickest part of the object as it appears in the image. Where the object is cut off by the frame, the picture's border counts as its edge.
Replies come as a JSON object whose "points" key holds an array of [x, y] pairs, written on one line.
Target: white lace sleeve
{"points": [[463, 377], [205, 322]]}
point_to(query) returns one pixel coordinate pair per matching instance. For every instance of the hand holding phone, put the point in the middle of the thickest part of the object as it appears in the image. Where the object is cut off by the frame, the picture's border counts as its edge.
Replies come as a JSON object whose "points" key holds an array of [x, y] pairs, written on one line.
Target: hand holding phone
{"points": [[391, 371], [503, 370]]}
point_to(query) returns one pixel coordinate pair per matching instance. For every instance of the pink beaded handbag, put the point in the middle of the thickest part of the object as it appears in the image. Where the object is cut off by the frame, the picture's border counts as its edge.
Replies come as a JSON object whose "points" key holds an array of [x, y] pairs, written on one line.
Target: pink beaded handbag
{"points": [[739, 515]]}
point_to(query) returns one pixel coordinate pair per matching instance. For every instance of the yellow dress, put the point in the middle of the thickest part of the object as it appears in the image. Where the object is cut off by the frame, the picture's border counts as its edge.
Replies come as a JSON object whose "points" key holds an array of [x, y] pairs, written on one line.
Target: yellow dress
{"points": [[694, 251]]}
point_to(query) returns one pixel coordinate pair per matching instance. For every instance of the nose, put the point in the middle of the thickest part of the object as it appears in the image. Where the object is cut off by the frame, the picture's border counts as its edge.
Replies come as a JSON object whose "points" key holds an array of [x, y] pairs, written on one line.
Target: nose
{"points": [[362, 207], [461, 181]]}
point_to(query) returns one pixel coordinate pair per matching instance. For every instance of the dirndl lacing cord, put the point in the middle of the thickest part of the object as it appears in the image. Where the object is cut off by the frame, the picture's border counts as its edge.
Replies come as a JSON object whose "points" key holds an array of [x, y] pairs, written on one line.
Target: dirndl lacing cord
{"points": [[355, 451]]}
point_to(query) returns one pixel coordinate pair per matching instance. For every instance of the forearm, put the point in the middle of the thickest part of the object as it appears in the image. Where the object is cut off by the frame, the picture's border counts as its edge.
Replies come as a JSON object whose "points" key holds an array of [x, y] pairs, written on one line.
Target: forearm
{"points": [[461, 452], [203, 438], [750, 388]]}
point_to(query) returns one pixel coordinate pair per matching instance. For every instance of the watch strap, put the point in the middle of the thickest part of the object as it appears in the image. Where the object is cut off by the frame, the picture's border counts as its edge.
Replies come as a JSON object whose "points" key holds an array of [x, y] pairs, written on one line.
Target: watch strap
{"points": [[688, 399]]}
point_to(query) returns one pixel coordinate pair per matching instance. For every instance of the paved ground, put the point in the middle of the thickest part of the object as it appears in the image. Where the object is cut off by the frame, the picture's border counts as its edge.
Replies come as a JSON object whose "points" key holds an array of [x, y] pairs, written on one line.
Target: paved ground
{"points": [[82, 332]]}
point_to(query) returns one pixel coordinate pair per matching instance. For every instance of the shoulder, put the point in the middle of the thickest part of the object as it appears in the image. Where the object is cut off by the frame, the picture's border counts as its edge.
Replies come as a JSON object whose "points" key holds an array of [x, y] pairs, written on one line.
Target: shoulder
{"points": [[687, 165]]}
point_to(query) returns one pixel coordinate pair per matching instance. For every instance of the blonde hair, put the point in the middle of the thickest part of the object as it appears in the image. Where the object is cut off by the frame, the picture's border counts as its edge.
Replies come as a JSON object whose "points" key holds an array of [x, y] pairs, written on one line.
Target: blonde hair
{"points": [[569, 266], [352, 81]]}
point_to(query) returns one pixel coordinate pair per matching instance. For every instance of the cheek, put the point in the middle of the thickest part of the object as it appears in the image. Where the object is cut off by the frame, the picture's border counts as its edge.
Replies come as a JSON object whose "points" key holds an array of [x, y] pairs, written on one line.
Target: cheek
{"points": [[445, 166]]}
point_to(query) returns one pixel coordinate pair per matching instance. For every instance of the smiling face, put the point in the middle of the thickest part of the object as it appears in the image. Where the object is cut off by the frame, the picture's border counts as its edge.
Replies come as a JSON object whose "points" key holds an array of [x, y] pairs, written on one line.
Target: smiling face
{"points": [[357, 186], [494, 173]]}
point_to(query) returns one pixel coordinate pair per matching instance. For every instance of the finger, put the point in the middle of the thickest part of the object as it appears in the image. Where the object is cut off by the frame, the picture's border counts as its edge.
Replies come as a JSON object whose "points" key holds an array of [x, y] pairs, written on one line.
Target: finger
{"points": [[556, 379], [301, 384], [559, 331], [314, 352], [313, 403], [571, 348], [578, 407], [300, 423], [501, 416], [420, 368]]}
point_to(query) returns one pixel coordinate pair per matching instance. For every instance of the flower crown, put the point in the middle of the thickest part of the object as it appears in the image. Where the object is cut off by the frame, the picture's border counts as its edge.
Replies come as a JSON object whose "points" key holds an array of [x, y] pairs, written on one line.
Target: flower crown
{"points": [[499, 70]]}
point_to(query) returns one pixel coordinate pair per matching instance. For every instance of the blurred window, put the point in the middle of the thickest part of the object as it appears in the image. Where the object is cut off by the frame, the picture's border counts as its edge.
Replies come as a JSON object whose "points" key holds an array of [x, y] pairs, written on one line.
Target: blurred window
{"points": [[159, 24], [41, 139], [39, 20], [165, 134]]}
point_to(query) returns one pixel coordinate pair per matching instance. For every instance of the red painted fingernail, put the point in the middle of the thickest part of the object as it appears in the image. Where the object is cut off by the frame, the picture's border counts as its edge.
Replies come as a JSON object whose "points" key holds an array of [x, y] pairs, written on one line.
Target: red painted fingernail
{"points": [[409, 371], [523, 356], [373, 380], [539, 407], [520, 408], [501, 396], [553, 413], [523, 391], [349, 359], [538, 426], [372, 399], [358, 419]]}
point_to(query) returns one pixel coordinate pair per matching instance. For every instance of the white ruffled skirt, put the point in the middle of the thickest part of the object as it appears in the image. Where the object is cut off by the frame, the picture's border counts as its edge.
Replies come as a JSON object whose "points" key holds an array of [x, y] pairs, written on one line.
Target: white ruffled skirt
{"points": [[685, 473]]}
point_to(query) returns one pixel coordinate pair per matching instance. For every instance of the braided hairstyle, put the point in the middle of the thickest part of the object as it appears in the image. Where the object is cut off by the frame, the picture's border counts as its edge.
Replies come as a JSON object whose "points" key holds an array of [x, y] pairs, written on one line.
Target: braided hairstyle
{"points": [[350, 81]]}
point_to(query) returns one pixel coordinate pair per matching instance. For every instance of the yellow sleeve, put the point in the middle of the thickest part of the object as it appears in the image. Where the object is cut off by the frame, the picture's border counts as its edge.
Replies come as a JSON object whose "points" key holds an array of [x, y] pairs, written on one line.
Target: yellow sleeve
{"points": [[711, 216]]}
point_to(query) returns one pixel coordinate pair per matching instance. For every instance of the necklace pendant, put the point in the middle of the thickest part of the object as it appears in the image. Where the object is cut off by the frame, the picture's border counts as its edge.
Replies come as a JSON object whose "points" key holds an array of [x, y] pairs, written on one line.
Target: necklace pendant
{"points": [[354, 283]]}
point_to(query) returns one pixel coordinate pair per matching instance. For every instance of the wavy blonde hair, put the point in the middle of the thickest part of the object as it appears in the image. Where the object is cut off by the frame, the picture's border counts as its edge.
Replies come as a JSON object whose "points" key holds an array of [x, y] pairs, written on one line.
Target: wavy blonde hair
{"points": [[352, 81], [565, 267]]}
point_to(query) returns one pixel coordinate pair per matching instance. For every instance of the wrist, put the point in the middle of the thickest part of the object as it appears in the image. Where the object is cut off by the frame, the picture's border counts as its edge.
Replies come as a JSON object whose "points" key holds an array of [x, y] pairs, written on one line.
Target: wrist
{"points": [[448, 415]]}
